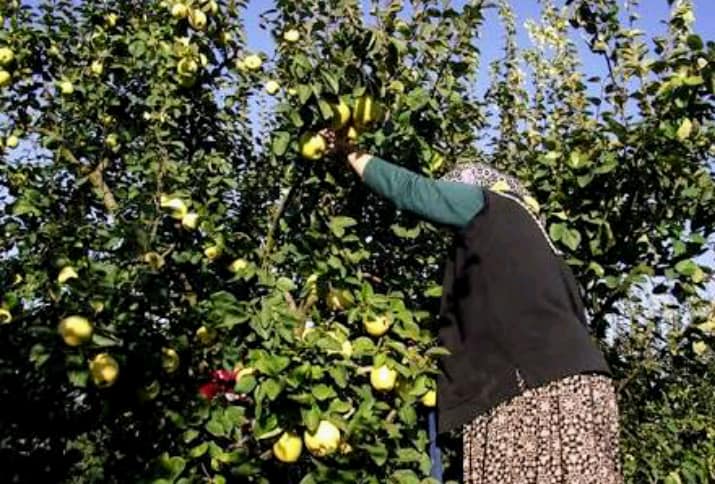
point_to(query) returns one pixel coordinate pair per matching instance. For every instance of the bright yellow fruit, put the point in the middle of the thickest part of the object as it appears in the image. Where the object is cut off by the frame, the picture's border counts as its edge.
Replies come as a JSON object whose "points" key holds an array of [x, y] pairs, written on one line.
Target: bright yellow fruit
{"points": [[12, 141], [112, 141], [197, 20], [5, 78], [5, 316], [154, 259], [190, 220], [378, 326], [324, 441], [66, 88], [104, 370], [179, 11], [212, 252], [291, 35], [178, 207], [383, 378], [187, 67], [288, 448], [699, 347], [238, 265], [111, 19], [211, 7], [253, 62], [353, 133], [75, 330], [341, 115], [6, 56], [205, 336], [367, 111], [312, 146], [429, 399], [97, 67], [169, 360], [66, 274], [272, 87]]}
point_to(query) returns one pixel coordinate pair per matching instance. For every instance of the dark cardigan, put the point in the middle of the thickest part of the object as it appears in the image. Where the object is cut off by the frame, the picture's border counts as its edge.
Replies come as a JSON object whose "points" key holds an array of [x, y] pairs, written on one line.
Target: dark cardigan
{"points": [[511, 311]]}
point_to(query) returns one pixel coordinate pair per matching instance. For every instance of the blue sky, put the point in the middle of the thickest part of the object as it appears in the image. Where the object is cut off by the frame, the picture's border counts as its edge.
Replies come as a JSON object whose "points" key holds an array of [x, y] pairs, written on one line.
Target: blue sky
{"points": [[653, 12]]}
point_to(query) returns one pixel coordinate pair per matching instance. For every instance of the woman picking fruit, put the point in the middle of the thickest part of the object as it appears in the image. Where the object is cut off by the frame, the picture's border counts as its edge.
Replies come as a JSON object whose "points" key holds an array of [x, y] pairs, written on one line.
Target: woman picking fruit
{"points": [[525, 383]]}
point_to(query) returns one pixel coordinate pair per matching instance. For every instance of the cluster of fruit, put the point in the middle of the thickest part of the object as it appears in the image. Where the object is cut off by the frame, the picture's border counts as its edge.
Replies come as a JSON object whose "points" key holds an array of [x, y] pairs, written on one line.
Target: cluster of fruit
{"points": [[7, 57], [366, 113]]}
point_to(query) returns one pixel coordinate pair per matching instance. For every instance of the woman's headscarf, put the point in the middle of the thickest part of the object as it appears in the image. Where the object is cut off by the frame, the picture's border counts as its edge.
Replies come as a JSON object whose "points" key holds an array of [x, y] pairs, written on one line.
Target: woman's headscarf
{"points": [[496, 181]]}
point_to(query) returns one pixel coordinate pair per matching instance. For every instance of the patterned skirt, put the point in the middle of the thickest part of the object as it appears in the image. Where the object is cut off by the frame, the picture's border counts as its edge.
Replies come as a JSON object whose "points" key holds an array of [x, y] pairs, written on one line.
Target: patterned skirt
{"points": [[563, 432]]}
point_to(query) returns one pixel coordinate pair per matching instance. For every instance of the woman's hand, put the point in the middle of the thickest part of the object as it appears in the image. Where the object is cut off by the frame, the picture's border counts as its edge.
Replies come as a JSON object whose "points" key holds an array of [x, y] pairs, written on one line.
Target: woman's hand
{"points": [[339, 144]]}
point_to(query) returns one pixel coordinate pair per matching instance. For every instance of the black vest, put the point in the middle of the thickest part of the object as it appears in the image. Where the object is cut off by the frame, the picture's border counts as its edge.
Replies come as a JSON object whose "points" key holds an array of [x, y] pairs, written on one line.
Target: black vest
{"points": [[511, 315]]}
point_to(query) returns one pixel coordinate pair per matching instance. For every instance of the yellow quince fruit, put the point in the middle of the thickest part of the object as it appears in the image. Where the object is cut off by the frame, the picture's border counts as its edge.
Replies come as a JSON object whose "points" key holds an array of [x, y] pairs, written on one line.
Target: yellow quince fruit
{"points": [[312, 146], [66, 274], [75, 330], [377, 326], [324, 441], [104, 370], [383, 378], [288, 447]]}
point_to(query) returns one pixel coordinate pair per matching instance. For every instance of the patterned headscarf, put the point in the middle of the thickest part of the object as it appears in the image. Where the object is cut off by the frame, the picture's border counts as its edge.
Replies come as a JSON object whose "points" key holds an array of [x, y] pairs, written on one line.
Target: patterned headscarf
{"points": [[506, 185]]}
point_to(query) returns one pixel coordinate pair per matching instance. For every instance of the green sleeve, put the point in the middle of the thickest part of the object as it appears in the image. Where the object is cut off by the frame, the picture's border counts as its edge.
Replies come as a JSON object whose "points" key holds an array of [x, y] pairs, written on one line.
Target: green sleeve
{"points": [[442, 202]]}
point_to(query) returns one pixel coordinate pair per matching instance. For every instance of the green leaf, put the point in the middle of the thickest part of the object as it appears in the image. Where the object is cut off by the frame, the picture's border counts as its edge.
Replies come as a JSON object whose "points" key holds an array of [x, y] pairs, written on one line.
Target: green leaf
{"points": [[326, 109], [311, 418], [434, 290], [363, 346], [378, 453], [331, 80], [271, 388], [340, 375], [214, 427], [323, 392], [339, 224], [78, 378], [190, 435], [556, 231], [695, 42], [571, 238], [686, 267], [408, 414], [285, 284], [404, 476], [175, 465], [404, 232], [246, 384], [199, 450], [281, 140], [304, 92]]}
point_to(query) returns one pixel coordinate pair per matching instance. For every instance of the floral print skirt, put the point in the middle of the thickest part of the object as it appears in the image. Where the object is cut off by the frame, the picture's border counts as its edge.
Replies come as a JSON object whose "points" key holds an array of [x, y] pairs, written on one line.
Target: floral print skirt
{"points": [[563, 432]]}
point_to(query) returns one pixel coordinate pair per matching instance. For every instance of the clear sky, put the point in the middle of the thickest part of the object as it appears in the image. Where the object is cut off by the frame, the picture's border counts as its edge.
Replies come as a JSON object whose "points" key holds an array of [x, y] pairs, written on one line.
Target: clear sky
{"points": [[653, 12]]}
